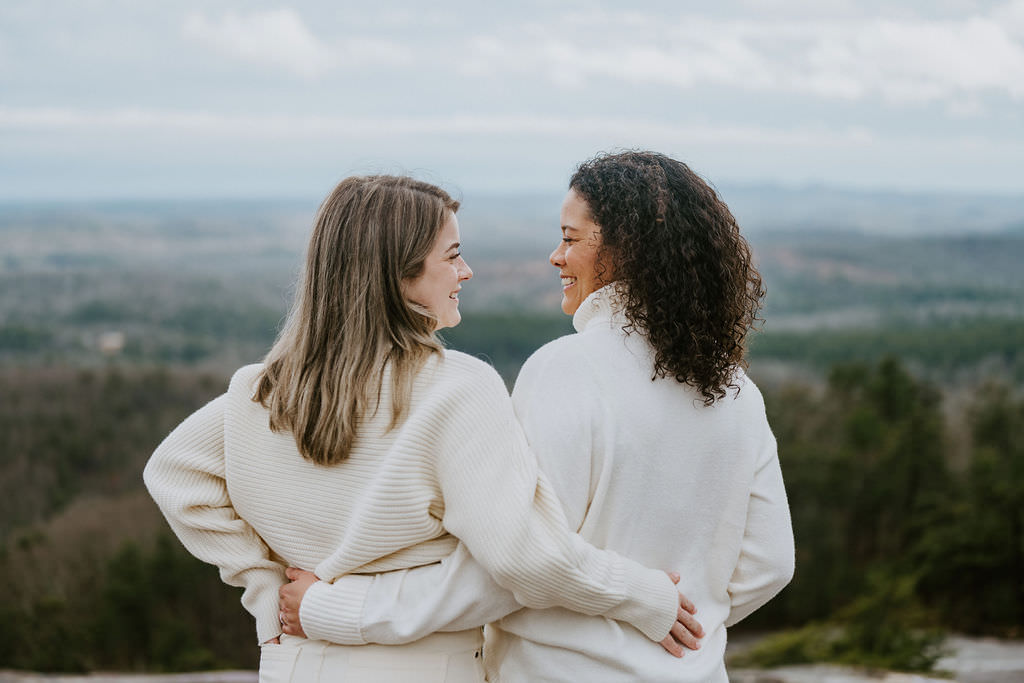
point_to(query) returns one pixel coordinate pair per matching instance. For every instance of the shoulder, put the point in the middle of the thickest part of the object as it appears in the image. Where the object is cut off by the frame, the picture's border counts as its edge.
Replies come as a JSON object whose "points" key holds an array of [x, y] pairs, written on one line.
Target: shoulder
{"points": [[455, 391], [745, 390], [460, 365], [576, 350], [465, 375], [244, 380], [745, 402], [572, 349], [565, 362], [461, 362]]}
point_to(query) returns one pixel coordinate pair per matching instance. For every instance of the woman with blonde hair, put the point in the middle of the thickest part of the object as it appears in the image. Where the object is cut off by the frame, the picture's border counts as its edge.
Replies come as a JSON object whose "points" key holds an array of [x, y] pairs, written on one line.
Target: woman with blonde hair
{"points": [[652, 435], [361, 446]]}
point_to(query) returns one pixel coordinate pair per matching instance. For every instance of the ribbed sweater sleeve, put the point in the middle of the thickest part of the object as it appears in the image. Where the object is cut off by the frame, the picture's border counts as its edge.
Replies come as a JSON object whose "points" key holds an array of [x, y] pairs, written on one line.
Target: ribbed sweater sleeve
{"points": [[767, 556], [505, 511], [334, 611], [185, 476], [399, 607]]}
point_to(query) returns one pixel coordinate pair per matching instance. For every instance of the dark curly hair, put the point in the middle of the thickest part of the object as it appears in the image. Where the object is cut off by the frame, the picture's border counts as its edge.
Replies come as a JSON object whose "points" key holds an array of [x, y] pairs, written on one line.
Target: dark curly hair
{"points": [[690, 285]]}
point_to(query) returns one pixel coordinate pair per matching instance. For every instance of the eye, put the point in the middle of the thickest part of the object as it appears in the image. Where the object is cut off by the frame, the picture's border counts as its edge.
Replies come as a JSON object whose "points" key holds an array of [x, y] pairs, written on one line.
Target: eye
{"points": [[567, 240], [455, 256]]}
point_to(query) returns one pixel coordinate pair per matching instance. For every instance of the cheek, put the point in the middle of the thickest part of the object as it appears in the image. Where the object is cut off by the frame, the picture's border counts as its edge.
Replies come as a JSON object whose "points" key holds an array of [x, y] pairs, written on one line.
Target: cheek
{"points": [[587, 264]]}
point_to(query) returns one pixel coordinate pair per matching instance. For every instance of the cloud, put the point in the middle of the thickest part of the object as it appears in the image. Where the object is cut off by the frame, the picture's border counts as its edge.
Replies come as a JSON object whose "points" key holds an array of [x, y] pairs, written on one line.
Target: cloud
{"points": [[135, 150], [1011, 16], [899, 60], [277, 37], [284, 127], [281, 38], [943, 60]]}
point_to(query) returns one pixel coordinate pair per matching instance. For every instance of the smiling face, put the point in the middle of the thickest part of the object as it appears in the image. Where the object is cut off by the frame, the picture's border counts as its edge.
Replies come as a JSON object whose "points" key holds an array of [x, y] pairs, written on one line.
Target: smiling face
{"points": [[437, 287], [577, 255]]}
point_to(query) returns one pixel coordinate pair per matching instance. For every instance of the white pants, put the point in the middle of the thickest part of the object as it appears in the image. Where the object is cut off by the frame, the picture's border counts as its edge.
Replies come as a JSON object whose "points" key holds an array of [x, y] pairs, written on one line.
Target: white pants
{"points": [[438, 658]]}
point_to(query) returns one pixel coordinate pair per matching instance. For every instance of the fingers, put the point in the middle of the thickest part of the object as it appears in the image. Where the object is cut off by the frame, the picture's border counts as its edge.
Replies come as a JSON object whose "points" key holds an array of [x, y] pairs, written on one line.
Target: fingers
{"points": [[684, 636], [674, 576], [292, 573], [686, 604], [671, 646], [289, 622], [686, 632], [690, 623], [288, 618]]}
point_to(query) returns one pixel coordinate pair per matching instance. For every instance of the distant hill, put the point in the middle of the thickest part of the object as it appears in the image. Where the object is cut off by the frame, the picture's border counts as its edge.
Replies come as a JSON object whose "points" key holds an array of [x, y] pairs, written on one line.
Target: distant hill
{"points": [[815, 209], [208, 283]]}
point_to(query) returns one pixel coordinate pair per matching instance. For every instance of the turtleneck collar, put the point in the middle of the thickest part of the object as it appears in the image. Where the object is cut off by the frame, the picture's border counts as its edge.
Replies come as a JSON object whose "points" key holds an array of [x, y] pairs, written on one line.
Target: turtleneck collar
{"points": [[602, 306]]}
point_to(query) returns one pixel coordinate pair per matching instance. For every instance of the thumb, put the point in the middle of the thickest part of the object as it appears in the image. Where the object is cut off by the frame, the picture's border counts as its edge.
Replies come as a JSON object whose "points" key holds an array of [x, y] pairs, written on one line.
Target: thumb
{"points": [[292, 573]]}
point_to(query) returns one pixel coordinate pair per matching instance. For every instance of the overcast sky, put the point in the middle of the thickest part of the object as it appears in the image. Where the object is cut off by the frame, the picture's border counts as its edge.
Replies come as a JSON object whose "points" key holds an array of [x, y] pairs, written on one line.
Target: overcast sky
{"points": [[244, 98]]}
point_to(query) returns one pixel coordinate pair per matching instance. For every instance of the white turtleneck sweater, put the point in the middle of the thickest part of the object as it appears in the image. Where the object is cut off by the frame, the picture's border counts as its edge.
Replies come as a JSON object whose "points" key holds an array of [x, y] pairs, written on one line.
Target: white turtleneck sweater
{"points": [[642, 467], [241, 497]]}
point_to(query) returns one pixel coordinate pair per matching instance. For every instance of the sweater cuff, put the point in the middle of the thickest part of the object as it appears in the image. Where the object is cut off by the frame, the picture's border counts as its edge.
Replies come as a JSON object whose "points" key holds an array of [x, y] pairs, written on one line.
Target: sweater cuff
{"points": [[334, 612], [266, 613], [260, 598], [652, 605]]}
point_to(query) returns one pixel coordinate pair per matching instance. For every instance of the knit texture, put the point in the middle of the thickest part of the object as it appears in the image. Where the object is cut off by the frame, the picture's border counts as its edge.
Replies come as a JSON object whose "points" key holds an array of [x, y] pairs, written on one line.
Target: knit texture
{"points": [[241, 497], [646, 469], [643, 467]]}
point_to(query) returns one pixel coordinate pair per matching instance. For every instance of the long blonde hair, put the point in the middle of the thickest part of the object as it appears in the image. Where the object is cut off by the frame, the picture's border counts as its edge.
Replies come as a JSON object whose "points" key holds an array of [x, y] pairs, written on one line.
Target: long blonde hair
{"points": [[350, 318]]}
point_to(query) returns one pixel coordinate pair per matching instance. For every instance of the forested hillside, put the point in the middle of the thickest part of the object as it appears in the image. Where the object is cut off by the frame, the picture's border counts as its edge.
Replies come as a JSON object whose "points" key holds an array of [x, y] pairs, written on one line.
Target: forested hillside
{"points": [[908, 515], [891, 367]]}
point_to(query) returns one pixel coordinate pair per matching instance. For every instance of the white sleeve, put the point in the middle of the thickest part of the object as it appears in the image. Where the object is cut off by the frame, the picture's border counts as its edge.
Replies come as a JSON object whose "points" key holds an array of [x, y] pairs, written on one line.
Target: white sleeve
{"points": [[402, 606], [185, 476], [766, 560], [505, 511]]}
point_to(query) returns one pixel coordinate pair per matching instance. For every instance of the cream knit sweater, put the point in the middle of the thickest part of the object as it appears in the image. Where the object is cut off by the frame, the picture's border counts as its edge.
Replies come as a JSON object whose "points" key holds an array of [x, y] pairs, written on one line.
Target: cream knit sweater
{"points": [[642, 467], [241, 497]]}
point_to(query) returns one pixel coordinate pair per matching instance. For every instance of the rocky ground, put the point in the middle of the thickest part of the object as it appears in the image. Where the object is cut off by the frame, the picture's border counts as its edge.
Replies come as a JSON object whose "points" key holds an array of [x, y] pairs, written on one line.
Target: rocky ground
{"points": [[973, 660]]}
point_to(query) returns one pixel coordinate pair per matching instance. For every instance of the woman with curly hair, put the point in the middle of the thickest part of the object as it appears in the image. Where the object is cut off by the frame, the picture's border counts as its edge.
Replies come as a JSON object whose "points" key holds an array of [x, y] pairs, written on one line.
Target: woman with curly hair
{"points": [[648, 428]]}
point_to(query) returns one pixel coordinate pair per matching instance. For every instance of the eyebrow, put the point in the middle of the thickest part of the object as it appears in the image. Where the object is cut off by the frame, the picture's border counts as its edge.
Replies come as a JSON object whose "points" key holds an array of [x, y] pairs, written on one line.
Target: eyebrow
{"points": [[454, 245], [569, 227]]}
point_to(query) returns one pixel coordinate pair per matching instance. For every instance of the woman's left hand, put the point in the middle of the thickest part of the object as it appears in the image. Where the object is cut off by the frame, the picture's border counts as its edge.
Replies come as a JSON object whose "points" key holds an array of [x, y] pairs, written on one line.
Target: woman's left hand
{"points": [[290, 598], [687, 631]]}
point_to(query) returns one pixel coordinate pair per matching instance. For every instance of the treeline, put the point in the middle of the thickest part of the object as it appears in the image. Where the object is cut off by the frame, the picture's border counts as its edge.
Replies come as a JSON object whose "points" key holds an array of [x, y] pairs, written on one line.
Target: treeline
{"points": [[908, 509], [506, 340], [944, 350], [149, 606], [956, 351], [908, 516], [66, 432], [95, 579], [60, 318], [206, 322]]}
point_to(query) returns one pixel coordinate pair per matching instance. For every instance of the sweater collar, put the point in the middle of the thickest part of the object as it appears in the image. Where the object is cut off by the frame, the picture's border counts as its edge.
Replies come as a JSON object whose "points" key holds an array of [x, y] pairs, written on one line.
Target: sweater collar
{"points": [[601, 307]]}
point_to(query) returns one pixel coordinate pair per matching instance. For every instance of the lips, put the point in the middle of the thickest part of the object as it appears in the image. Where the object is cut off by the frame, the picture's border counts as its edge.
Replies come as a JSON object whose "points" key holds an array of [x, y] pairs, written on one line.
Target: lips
{"points": [[568, 281]]}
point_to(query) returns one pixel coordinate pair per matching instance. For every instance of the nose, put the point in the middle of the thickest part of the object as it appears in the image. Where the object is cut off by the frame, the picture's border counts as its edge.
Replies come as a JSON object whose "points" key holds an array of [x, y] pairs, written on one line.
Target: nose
{"points": [[465, 272], [557, 257]]}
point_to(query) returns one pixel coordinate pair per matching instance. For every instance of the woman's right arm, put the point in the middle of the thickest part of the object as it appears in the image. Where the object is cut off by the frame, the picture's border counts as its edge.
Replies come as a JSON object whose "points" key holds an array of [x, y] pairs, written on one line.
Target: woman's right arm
{"points": [[403, 606], [459, 593], [502, 507], [185, 476], [400, 606]]}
